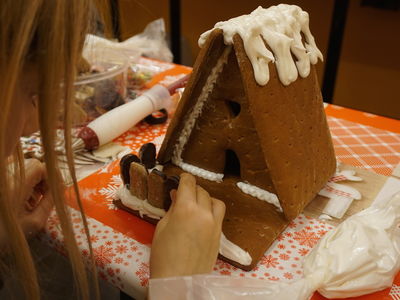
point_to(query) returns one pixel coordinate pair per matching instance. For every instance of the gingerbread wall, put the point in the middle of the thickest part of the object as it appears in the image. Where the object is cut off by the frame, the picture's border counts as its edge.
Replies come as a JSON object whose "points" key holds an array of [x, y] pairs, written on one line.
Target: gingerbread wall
{"points": [[224, 139]]}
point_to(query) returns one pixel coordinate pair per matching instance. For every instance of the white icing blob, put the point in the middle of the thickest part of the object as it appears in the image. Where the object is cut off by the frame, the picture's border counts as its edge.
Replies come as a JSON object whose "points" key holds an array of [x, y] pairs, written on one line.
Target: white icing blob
{"points": [[156, 167], [324, 217], [144, 207], [233, 251], [260, 194], [280, 27]]}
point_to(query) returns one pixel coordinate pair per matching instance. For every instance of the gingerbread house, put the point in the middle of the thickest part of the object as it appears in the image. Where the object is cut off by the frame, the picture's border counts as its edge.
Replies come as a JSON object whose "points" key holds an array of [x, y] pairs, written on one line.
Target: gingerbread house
{"points": [[251, 125]]}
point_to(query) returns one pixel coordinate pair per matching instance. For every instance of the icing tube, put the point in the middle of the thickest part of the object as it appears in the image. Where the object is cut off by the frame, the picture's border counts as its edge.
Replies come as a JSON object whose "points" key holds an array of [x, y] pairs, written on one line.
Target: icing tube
{"points": [[118, 120], [359, 257]]}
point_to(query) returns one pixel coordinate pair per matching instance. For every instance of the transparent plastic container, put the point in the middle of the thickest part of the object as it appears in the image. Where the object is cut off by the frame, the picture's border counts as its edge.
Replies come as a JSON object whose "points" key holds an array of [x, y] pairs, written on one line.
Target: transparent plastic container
{"points": [[103, 88]]}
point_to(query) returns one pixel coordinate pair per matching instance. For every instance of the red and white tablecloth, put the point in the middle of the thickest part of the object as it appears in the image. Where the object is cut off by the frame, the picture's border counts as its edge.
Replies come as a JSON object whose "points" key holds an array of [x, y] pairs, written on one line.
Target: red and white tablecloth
{"points": [[121, 242]]}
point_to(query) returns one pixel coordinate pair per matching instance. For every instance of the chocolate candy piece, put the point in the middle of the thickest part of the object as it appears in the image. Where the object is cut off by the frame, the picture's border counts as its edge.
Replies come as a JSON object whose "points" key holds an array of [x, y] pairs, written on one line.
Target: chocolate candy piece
{"points": [[138, 184], [159, 117], [156, 188], [159, 173], [147, 154], [171, 183], [125, 165]]}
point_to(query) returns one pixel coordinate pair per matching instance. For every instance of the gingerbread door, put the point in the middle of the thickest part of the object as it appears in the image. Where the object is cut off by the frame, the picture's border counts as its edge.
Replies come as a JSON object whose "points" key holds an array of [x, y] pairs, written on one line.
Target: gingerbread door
{"points": [[224, 139]]}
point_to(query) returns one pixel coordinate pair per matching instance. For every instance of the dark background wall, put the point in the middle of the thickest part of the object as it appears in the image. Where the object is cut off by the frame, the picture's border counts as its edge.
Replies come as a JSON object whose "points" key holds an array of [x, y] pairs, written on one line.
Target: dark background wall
{"points": [[368, 73]]}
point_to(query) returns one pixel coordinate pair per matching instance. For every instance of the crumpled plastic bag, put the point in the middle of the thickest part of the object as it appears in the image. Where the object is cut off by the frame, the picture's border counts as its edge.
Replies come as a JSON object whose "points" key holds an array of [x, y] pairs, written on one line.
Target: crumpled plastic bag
{"points": [[151, 43], [358, 257], [206, 287]]}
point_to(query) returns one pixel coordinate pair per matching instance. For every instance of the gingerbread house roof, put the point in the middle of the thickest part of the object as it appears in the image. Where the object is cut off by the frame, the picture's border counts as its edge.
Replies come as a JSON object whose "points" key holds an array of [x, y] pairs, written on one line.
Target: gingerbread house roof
{"points": [[284, 109]]}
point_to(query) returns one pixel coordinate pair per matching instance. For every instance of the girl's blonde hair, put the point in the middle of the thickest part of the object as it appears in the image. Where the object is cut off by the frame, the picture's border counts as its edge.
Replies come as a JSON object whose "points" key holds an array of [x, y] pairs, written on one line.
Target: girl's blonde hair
{"points": [[49, 35]]}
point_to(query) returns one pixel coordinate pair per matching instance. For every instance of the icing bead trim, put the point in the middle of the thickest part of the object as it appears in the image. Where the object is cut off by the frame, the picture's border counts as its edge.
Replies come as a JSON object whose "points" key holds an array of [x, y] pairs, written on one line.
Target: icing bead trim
{"points": [[200, 172], [260, 194], [191, 121]]}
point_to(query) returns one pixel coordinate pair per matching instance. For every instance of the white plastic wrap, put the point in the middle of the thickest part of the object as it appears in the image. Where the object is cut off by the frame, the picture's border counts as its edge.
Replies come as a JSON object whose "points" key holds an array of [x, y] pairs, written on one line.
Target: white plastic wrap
{"points": [[151, 43], [205, 287], [360, 256]]}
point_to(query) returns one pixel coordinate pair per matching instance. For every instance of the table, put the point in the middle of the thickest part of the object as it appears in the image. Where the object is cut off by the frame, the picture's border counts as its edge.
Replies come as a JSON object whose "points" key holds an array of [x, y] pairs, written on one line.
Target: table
{"points": [[121, 241]]}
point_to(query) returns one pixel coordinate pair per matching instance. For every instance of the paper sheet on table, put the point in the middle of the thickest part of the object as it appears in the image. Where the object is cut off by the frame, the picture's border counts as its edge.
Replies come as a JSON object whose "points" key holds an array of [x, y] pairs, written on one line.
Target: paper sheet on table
{"points": [[369, 188]]}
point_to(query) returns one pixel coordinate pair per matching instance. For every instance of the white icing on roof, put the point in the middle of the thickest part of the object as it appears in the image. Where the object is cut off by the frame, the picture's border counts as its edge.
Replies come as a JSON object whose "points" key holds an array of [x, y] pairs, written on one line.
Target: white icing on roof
{"points": [[281, 27]]}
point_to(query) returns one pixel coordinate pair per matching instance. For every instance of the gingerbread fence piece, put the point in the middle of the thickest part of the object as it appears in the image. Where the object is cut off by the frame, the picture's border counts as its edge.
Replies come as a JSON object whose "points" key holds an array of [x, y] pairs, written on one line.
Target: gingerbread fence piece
{"points": [[157, 192], [138, 180]]}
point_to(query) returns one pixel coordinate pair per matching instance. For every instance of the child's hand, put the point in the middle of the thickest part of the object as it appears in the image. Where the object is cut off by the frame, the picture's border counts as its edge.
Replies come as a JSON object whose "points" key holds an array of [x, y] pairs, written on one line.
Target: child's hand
{"points": [[34, 209], [186, 240]]}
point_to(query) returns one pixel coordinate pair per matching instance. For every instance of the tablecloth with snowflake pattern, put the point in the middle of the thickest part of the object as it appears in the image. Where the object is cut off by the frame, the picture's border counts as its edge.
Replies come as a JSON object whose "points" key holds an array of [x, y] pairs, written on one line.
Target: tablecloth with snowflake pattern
{"points": [[121, 242]]}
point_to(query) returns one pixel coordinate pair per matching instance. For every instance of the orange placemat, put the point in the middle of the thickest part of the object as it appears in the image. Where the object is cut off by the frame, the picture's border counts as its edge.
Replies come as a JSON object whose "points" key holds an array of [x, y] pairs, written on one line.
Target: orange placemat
{"points": [[364, 146], [363, 118]]}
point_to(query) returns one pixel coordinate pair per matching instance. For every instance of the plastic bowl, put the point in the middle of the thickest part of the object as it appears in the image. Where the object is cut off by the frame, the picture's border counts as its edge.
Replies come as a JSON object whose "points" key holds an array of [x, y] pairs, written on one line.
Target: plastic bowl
{"points": [[102, 89]]}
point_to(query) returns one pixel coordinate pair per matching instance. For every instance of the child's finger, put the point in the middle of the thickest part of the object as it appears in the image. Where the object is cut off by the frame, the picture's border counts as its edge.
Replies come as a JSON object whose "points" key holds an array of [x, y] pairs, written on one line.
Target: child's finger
{"points": [[172, 195], [203, 198], [186, 189], [34, 172], [218, 208], [42, 211]]}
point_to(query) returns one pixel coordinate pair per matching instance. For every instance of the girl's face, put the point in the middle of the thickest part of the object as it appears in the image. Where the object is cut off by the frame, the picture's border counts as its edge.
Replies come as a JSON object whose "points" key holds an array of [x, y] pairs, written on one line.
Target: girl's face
{"points": [[23, 119]]}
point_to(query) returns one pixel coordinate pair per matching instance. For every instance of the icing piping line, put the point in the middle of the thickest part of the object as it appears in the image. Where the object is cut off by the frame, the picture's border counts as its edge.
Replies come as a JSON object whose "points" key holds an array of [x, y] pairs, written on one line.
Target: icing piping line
{"points": [[191, 120], [260, 194], [201, 172]]}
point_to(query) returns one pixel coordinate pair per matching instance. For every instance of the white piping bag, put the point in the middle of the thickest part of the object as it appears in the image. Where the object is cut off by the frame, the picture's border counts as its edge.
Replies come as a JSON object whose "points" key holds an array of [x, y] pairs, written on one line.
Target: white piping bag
{"points": [[118, 120]]}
